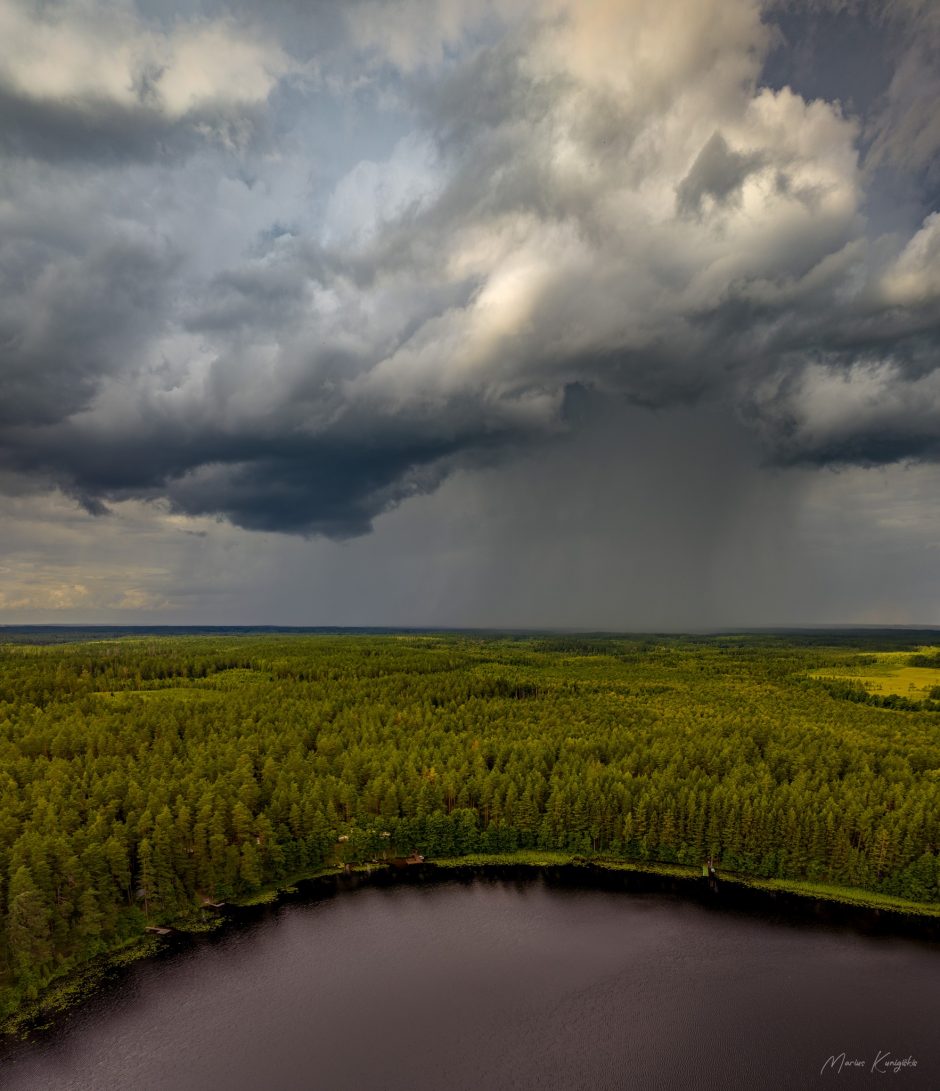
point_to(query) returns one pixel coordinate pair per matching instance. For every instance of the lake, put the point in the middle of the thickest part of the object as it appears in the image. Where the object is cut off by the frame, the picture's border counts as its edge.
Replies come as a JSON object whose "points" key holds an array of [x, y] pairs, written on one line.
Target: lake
{"points": [[489, 983]]}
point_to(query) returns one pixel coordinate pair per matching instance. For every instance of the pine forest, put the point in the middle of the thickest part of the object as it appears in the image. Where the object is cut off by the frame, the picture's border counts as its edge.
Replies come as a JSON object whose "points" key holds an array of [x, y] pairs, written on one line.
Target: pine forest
{"points": [[142, 777]]}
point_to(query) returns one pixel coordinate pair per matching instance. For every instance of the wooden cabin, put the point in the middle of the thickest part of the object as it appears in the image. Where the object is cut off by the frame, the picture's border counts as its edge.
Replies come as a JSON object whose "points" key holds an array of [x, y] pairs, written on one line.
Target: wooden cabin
{"points": [[407, 861]]}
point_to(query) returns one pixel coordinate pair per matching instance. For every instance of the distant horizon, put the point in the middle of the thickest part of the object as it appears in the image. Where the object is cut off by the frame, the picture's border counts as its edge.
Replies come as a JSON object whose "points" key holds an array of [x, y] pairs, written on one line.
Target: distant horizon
{"points": [[520, 629]]}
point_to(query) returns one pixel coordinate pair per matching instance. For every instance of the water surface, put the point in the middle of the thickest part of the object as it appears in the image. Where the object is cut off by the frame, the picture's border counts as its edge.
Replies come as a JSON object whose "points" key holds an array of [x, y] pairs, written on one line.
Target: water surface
{"points": [[497, 984]]}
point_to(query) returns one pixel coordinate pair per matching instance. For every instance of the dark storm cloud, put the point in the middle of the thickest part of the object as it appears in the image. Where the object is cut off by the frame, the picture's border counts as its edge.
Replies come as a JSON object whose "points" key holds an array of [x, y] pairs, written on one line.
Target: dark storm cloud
{"points": [[333, 490], [272, 475], [73, 312], [187, 315]]}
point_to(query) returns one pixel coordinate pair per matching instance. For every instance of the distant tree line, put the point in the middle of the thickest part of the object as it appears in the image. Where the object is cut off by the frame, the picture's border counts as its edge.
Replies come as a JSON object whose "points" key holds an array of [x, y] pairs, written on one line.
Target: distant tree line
{"points": [[928, 659]]}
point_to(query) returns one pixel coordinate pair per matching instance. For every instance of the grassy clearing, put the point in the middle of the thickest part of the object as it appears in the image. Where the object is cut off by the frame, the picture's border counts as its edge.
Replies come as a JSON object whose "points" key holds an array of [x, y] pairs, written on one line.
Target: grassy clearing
{"points": [[234, 678], [211, 687], [890, 675]]}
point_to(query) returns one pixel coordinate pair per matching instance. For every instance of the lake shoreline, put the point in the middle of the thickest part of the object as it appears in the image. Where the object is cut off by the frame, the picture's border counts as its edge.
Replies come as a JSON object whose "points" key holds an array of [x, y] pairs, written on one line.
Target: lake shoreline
{"points": [[783, 902], [506, 976]]}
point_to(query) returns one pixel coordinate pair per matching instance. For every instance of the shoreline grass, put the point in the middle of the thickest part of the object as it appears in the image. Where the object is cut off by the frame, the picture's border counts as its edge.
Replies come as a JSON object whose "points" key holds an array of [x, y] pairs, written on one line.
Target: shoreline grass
{"points": [[825, 892], [72, 987], [843, 895]]}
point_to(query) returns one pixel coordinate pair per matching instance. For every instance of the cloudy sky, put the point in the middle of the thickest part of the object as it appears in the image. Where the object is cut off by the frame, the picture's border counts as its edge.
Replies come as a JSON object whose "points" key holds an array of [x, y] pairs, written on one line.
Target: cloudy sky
{"points": [[612, 314]]}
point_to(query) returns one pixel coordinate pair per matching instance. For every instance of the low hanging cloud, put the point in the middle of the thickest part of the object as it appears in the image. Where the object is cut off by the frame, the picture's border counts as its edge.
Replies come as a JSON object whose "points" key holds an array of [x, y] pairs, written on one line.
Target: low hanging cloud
{"points": [[600, 197]]}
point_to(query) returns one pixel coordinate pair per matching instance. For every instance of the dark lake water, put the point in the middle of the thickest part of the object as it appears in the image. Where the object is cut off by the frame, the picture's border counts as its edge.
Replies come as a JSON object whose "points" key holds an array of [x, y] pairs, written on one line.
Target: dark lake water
{"points": [[494, 984]]}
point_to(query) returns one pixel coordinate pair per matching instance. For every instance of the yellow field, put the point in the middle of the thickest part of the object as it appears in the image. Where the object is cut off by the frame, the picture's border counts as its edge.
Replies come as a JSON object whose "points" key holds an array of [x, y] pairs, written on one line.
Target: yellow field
{"points": [[890, 675]]}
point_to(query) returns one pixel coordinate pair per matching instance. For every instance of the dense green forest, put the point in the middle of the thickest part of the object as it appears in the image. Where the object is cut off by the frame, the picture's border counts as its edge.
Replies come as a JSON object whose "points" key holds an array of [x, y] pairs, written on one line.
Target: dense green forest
{"points": [[140, 776]]}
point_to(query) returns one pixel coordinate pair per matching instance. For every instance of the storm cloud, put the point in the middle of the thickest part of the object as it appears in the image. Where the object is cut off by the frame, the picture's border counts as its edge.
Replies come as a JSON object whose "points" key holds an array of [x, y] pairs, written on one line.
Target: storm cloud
{"points": [[293, 270]]}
